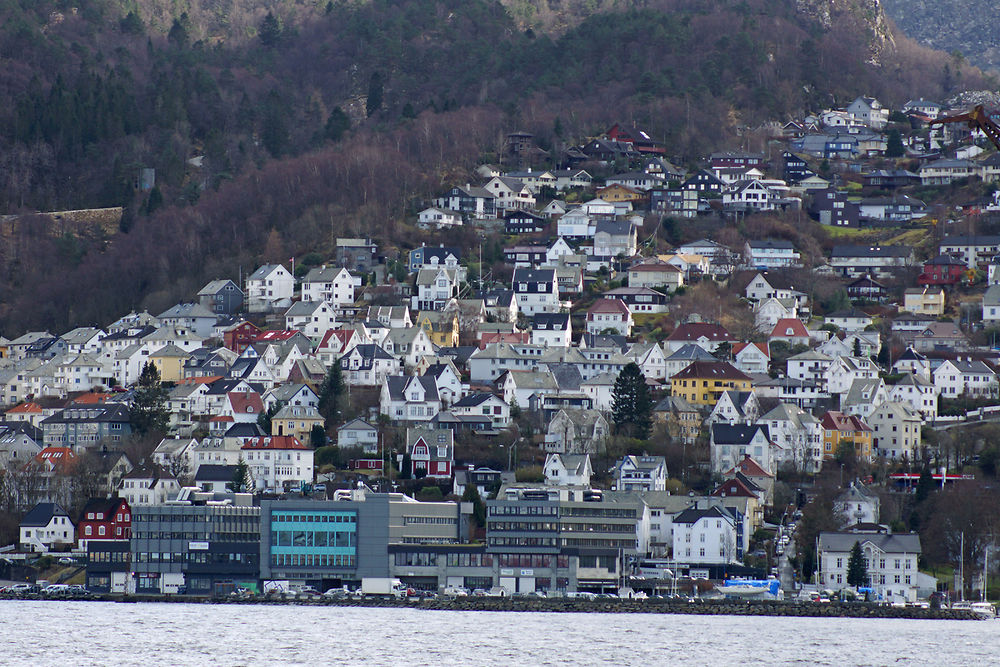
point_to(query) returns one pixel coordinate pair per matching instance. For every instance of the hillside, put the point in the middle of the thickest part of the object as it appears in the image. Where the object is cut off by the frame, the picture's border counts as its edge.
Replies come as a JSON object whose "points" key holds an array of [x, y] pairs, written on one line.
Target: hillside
{"points": [[965, 29], [269, 136]]}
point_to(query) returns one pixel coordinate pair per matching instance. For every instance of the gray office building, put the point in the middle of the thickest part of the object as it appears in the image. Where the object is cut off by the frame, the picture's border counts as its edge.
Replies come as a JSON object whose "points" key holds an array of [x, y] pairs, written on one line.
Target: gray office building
{"points": [[201, 549]]}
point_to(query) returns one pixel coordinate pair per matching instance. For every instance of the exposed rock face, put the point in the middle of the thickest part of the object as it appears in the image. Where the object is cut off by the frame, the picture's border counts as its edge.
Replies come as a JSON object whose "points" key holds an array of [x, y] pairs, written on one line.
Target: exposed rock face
{"points": [[869, 13], [955, 26]]}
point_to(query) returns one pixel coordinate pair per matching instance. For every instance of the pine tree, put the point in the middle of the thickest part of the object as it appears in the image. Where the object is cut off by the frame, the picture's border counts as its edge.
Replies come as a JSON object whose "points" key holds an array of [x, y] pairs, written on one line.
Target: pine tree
{"points": [[894, 144], [264, 419], [857, 573], [270, 30], [242, 480], [375, 90], [337, 124], [330, 393], [149, 403], [631, 407]]}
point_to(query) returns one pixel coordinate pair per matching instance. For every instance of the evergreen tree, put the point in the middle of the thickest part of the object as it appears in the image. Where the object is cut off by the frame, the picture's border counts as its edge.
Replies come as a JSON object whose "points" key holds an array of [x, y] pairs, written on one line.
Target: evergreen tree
{"points": [[631, 407], [149, 403], [894, 144], [317, 436], [264, 419], [337, 124], [857, 573], [857, 346], [242, 480], [471, 495], [270, 31], [925, 486], [375, 90], [178, 35], [274, 132], [330, 393]]}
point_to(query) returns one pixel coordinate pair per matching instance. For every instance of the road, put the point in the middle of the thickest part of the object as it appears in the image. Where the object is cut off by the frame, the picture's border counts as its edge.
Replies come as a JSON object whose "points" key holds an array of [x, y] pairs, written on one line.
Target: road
{"points": [[786, 573]]}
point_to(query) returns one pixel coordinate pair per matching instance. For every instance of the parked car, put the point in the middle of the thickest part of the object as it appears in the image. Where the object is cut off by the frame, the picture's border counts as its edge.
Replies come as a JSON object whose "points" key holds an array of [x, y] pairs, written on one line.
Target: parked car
{"points": [[456, 592], [55, 590], [22, 589]]}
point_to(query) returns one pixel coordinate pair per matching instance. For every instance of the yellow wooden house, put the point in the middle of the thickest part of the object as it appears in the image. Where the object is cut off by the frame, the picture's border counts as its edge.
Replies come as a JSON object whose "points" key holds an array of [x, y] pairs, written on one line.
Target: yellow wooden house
{"points": [[440, 327], [704, 382]]}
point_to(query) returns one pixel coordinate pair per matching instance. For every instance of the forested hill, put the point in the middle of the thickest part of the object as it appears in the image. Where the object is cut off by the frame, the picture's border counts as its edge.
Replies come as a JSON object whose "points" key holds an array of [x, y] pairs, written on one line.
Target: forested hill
{"points": [[272, 133]]}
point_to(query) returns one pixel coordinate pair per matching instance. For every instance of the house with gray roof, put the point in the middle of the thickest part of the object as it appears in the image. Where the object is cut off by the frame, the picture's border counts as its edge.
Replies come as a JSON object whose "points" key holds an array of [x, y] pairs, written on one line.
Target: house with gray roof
{"points": [[222, 297], [192, 317], [892, 562]]}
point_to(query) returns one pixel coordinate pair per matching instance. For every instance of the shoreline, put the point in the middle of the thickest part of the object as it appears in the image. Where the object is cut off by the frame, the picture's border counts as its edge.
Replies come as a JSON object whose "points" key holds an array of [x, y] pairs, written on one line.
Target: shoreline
{"points": [[565, 605]]}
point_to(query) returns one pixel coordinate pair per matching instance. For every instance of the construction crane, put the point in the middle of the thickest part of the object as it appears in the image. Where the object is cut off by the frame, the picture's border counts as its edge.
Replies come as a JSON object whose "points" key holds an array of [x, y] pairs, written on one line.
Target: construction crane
{"points": [[977, 119]]}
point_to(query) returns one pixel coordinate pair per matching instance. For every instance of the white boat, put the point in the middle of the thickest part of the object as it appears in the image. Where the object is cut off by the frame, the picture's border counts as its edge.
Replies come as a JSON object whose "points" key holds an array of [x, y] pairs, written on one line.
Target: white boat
{"points": [[980, 609], [749, 587]]}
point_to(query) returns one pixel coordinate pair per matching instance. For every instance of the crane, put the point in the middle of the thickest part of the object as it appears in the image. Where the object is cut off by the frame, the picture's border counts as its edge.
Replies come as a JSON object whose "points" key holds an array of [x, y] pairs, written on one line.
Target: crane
{"points": [[977, 119]]}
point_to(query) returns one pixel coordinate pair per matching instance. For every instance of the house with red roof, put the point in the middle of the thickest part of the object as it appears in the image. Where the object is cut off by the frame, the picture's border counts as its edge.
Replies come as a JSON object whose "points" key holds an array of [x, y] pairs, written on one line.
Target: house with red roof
{"points": [[243, 406], [28, 411], [278, 462], [706, 335], [338, 342], [791, 331], [843, 429], [755, 473], [609, 314], [752, 358]]}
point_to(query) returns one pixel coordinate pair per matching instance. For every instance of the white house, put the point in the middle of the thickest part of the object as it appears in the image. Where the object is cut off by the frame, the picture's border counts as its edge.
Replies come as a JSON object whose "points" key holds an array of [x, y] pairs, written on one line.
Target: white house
{"points": [[568, 469], [609, 314], [148, 485], [705, 536], [857, 505], [920, 394], [358, 433], [329, 283], [510, 193], [895, 431], [959, 377], [892, 562], [269, 286], [313, 318], [551, 330], [752, 358], [368, 365], [438, 218], [770, 254], [45, 526], [409, 398], [279, 462], [642, 473], [484, 405], [537, 291]]}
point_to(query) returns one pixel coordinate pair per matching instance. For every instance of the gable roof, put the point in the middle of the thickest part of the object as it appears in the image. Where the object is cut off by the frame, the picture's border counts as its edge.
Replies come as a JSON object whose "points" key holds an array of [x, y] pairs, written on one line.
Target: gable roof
{"points": [[42, 513]]}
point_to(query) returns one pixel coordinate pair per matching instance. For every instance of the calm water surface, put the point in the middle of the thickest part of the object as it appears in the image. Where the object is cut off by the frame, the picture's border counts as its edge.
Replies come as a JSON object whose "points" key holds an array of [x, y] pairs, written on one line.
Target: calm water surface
{"points": [[104, 633]]}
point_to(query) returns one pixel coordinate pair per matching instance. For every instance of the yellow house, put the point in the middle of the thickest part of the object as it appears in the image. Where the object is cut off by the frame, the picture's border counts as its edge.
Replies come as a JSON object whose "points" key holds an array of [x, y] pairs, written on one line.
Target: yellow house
{"points": [[169, 361], [618, 192], [297, 420], [839, 428], [440, 327], [704, 382], [927, 300]]}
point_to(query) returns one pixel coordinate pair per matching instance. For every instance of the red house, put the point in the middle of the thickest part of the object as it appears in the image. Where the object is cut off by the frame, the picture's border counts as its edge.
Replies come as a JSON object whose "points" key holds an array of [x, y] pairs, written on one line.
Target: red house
{"points": [[942, 270], [104, 519], [239, 336], [432, 452], [639, 139]]}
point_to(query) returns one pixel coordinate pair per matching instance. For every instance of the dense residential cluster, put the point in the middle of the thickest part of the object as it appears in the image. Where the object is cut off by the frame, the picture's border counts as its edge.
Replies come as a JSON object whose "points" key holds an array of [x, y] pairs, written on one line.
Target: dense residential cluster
{"points": [[533, 404]]}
